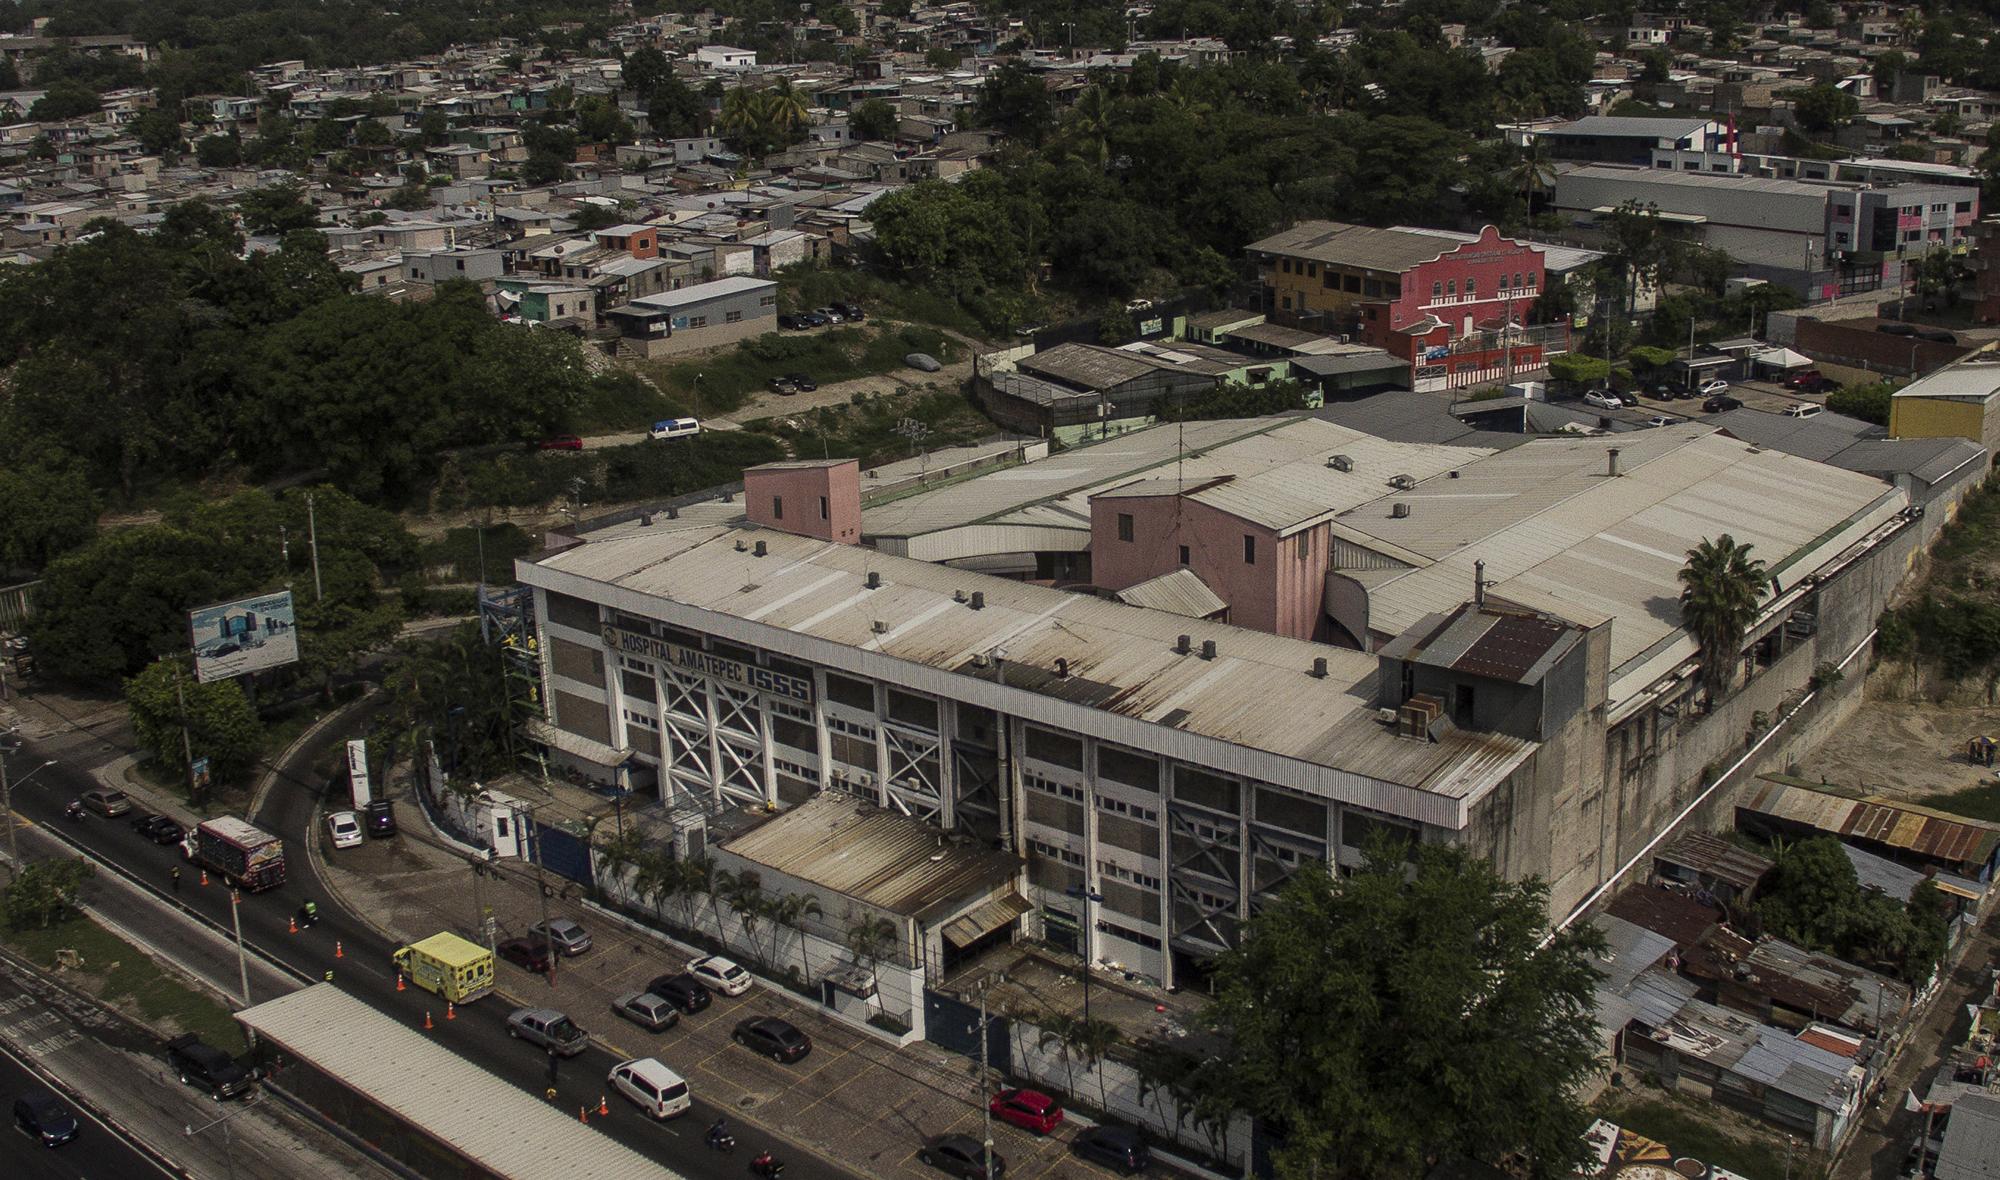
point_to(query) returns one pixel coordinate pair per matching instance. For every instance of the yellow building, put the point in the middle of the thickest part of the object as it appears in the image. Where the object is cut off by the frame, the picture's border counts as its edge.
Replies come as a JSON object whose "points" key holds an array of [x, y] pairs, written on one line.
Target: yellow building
{"points": [[1961, 400]]}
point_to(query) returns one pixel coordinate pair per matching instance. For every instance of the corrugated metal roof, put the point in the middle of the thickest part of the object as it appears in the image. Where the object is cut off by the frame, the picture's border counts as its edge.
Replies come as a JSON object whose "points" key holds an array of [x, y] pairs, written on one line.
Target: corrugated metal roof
{"points": [[1916, 829], [873, 854], [1971, 1140], [1629, 126], [1181, 592], [1361, 246], [489, 1121], [1974, 378]]}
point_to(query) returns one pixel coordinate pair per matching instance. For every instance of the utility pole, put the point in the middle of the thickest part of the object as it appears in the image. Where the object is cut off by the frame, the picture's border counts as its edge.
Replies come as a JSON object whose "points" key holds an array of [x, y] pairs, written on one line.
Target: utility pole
{"points": [[242, 963], [986, 1156], [7, 809], [187, 741], [312, 537]]}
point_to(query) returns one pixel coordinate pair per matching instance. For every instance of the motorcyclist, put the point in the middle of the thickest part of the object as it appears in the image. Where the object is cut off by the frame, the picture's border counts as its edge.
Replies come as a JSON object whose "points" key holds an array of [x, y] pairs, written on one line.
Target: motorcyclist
{"points": [[767, 1165], [75, 809], [309, 913], [717, 1132]]}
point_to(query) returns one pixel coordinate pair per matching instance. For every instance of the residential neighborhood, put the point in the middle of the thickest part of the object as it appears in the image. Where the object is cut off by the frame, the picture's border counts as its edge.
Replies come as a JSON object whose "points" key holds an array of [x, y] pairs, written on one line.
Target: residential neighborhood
{"points": [[1380, 590]]}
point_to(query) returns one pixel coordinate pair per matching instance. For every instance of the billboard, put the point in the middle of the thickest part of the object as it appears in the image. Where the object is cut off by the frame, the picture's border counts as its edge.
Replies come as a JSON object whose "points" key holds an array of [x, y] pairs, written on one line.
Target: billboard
{"points": [[248, 635]]}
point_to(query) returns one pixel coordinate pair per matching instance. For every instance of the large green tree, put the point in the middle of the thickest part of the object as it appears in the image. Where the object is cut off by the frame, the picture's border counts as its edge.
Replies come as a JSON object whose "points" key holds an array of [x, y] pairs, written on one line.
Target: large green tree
{"points": [[221, 726], [1409, 1013], [1720, 587], [1815, 898]]}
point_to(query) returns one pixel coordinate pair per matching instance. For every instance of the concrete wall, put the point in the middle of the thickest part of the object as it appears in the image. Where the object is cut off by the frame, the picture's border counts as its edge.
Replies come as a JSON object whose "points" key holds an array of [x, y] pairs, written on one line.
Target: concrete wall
{"points": [[823, 502], [1856, 344], [1930, 417]]}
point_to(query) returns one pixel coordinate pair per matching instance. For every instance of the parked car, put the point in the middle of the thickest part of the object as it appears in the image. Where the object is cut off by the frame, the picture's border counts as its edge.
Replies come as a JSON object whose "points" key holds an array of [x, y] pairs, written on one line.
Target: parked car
{"points": [[1603, 399], [683, 991], [529, 953], [1116, 1148], [1896, 329], [852, 311], [1028, 1109], [107, 802], [782, 386], [160, 829], [198, 1064], [960, 1155], [648, 1011], [380, 817], [1804, 410], [560, 442], [793, 323], [780, 1040], [801, 382], [570, 939], [43, 1118], [344, 828], [814, 319], [1713, 386], [718, 974], [1721, 402], [923, 361], [1803, 379], [830, 314], [548, 1029], [1662, 420], [657, 1090]]}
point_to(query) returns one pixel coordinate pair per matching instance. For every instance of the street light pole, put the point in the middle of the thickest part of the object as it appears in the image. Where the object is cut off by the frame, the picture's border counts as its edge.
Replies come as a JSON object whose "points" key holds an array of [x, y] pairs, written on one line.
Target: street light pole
{"points": [[242, 963], [7, 808]]}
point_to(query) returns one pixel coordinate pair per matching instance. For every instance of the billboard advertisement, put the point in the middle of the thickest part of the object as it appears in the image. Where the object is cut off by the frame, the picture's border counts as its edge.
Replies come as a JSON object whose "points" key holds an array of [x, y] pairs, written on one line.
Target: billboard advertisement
{"points": [[357, 772], [248, 635]]}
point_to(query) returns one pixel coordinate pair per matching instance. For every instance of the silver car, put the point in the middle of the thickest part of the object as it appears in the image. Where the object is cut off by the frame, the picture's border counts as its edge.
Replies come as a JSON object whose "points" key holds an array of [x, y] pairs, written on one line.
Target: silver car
{"points": [[648, 1011], [570, 938], [549, 1029]]}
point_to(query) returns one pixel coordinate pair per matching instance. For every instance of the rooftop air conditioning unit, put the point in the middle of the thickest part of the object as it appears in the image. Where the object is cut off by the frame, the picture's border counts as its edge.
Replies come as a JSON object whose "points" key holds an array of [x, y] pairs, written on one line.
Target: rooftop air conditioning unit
{"points": [[1417, 715], [1341, 463], [1403, 482], [1399, 510]]}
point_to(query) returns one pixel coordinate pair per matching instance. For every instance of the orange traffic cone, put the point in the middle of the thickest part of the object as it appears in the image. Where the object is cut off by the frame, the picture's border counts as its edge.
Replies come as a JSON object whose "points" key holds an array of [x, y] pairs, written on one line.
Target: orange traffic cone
{"points": [[427, 1018], [294, 924], [450, 1010], [399, 981], [603, 1108], [204, 877], [583, 1114], [337, 952]]}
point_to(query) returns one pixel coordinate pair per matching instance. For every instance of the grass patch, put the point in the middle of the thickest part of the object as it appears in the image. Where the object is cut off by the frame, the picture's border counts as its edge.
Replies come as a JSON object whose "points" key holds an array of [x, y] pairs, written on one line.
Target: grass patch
{"points": [[1972, 802], [866, 429], [802, 288], [619, 400], [730, 379], [641, 471], [123, 976], [1692, 1131]]}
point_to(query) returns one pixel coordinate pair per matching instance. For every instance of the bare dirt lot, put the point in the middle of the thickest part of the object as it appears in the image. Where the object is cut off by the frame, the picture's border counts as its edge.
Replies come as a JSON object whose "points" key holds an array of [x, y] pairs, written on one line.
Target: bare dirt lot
{"points": [[1905, 749]]}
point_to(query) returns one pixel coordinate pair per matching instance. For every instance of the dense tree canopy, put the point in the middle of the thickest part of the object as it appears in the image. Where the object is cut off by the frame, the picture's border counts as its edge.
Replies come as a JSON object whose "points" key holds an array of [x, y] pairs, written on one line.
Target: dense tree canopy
{"points": [[1407, 1014], [1815, 898]]}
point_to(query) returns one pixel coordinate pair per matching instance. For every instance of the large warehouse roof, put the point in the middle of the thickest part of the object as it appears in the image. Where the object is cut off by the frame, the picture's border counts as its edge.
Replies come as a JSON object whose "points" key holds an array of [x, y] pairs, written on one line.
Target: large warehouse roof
{"points": [[493, 1123]]}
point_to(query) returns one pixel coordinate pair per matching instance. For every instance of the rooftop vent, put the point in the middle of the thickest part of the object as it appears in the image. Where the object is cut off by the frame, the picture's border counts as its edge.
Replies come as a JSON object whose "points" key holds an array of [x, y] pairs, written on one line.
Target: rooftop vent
{"points": [[740, 546], [1341, 463], [645, 520], [979, 600], [673, 512], [1183, 645], [1399, 510], [1611, 458], [1062, 668], [874, 580], [760, 550], [1208, 649], [958, 596], [880, 627], [1403, 482], [1319, 668]]}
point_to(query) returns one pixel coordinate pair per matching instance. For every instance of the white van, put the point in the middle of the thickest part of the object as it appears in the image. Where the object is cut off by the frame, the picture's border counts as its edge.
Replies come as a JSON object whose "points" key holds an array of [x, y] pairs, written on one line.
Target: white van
{"points": [[653, 1087], [676, 427], [1803, 410]]}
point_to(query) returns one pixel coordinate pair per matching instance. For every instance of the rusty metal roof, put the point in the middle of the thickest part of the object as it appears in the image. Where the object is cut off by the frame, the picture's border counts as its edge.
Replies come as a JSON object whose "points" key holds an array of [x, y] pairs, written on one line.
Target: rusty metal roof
{"points": [[1889, 822]]}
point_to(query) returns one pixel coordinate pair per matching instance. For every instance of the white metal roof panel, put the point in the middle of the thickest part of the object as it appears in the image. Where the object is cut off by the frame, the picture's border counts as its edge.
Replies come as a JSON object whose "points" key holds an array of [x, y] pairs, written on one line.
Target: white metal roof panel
{"points": [[490, 1121]]}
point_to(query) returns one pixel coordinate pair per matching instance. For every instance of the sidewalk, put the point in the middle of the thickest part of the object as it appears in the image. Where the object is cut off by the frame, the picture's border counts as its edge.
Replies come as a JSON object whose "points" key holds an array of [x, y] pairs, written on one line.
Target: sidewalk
{"points": [[855, 1101]]}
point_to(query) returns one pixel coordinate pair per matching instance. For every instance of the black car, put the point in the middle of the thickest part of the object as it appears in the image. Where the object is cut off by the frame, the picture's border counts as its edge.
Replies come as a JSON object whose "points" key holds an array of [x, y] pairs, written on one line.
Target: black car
{"points": [[1117, 1148], [160, 829], [792, 322], [780, 1040], [1721, 402], [782, 386], [960, 1155], [42, 1117], [851, 310], [683, 991], [814, 319], [206, 1066], [801, 382], [379, 817]]}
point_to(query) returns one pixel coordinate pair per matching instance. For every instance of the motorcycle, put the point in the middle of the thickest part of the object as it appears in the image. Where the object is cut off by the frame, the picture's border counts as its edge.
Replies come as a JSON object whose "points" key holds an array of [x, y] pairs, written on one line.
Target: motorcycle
{"points": [[74, 810], [721, 1141], [767, 1166], [308, 918]]}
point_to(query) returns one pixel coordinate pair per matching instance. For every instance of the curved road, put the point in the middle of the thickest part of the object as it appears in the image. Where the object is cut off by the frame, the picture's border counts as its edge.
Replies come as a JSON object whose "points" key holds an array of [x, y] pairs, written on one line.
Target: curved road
{"points": [[364, 970]]}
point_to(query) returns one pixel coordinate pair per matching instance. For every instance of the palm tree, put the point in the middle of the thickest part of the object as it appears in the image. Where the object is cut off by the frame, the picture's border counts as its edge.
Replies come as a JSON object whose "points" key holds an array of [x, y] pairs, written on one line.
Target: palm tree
{"points": [[1165, 1070], [744, 894], [1080, 1040], [792, 910], [787, 108], [1086, 134], [870, 938], [1720, 586], [614, 857], [745, 120], [1533, 174]]}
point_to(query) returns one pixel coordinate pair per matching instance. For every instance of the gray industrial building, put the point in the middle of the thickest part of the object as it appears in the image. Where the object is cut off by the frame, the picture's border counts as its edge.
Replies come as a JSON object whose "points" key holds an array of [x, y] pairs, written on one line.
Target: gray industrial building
{"points": [[700, 316]]}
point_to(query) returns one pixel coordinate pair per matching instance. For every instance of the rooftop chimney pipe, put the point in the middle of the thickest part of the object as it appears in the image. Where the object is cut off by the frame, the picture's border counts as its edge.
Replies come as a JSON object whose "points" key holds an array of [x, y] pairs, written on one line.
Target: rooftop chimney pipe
{"points": [[1479, 582], [1208, 649], [874, 580], [1613, 455]]}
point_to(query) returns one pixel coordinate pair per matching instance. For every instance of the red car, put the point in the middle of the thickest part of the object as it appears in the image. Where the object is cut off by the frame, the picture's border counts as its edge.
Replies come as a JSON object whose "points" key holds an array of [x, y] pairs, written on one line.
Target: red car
{"points": [[531, 954], [561, 442], [1028, 1109]]}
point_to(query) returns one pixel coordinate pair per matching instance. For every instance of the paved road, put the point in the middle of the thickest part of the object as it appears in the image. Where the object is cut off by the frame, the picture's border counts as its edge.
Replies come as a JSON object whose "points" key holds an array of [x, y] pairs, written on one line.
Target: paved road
{"points": [[99, 1151], [358, 959]]}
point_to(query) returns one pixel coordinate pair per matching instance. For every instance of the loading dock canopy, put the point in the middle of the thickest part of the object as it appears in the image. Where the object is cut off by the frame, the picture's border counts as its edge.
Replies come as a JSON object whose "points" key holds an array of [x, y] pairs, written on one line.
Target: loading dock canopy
{"points": [[989, 916]]}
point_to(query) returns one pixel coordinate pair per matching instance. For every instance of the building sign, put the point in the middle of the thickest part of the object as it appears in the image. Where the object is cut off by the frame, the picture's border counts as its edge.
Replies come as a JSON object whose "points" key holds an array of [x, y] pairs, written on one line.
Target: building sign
{"points": [[248, 635], [357, 772], [798, 688]]}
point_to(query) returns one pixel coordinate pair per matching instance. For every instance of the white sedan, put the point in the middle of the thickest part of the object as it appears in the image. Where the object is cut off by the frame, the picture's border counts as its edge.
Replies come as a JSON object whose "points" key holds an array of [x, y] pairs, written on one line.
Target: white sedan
{"points": [[1603, 399], [718, 974], [1713, 386], [345, 829]]}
